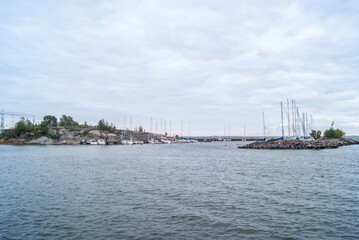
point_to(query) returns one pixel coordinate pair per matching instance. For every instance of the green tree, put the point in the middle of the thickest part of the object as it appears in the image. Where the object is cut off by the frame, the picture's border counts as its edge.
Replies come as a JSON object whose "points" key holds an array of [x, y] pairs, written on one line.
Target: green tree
{"points": [[333, 133], [315, 134], [67, 121], [43, 128], [103, 125], [50, 120]]}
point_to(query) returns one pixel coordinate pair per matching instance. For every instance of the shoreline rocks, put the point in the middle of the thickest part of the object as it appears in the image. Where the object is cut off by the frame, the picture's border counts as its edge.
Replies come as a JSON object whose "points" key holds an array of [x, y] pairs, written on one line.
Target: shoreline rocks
{"points": [[295, 144]]}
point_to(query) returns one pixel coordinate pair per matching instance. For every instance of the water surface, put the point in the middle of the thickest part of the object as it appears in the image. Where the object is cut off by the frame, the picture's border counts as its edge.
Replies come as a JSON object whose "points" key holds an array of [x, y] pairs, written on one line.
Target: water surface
{"points": [[187, 191]]}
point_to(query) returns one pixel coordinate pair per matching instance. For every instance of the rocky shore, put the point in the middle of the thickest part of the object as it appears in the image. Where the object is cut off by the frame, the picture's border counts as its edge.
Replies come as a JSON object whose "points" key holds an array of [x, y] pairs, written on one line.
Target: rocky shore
{"points": [[74, 136], [294, 144]]}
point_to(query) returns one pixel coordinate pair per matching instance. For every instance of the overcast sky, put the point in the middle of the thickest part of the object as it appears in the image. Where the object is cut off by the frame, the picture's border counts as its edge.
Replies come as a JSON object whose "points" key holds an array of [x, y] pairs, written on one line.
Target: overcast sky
{"points": [[204, 62]]}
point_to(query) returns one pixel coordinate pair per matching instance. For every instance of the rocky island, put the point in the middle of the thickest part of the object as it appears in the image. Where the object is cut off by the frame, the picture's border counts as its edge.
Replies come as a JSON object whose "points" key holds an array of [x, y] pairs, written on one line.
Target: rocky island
{"points": [[69, 132], [298, 144]]}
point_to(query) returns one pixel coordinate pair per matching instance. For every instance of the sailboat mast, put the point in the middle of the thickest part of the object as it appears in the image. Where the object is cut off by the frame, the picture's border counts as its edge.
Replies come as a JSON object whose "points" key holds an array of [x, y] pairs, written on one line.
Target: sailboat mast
{"points": [[244, 132], [281, 109], [229, 130], [264, 127], [288, 118], [181, 128]]}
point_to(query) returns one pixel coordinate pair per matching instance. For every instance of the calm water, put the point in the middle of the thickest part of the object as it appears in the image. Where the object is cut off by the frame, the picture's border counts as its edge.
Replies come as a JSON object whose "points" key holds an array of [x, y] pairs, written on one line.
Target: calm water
{"points": [[194, 191]]}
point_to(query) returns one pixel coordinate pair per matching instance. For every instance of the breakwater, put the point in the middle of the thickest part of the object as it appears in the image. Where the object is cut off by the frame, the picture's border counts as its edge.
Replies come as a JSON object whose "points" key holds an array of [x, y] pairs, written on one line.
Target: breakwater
{"points": [[296, 144]]}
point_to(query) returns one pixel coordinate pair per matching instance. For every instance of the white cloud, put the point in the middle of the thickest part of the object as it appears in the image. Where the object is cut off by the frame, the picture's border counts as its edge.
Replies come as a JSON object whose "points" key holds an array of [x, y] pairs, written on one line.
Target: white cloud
{"points": [[204, 62]]}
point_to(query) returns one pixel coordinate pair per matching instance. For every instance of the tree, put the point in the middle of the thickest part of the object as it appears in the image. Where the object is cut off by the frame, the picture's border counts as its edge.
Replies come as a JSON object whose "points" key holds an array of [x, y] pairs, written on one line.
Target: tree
{"points": [[315, 134], [140, 129], [333, 133], [50, 120], [43, 128], [67, 121], [101, 125]]}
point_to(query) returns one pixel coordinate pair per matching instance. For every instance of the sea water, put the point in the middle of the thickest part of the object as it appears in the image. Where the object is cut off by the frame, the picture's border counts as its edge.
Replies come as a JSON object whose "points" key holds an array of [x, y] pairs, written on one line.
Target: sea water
{"points": [[178, 191]]}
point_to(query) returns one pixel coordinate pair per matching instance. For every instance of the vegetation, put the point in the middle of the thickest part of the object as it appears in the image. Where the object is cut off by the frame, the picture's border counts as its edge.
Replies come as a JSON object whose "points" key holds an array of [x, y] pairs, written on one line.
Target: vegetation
{"points": [[50, 120], [26, 128], [333, 133], [315, 134], [67, 121], [105, 126]]}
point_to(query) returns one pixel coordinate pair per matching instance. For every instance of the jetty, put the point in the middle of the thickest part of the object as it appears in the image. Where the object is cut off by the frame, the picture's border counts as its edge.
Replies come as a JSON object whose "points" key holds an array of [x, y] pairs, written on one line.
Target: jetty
{"points": [[300, 144]]}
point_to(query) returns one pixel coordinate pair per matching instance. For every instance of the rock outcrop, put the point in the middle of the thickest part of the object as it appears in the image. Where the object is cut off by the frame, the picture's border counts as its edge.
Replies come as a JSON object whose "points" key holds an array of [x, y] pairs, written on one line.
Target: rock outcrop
{"points": [[42, 141], [294, 144]]}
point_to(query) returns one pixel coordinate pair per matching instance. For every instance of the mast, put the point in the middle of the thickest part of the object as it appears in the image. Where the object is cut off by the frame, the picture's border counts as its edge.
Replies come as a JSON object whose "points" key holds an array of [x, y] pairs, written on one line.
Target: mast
{"points": [[151, 124], [264, 127], [189, 130], [244, 132], [281, 109], [288, 118], [293, 129], [303, 124], [181, 128], [229, 130]]}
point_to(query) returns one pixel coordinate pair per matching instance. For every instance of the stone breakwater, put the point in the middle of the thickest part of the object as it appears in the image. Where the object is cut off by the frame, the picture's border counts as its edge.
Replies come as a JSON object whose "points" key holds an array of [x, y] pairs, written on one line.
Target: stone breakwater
{"points": [[293, 144]]}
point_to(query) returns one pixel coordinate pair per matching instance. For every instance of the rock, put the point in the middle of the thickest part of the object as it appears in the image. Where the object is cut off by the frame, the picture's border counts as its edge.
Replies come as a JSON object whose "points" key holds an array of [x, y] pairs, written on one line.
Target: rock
{"points": [[294, 144], [42, 141], [95, 134]]}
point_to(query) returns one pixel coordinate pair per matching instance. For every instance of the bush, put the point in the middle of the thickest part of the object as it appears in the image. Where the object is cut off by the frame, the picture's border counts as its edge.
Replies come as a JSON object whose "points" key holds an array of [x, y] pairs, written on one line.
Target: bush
{"points": [[333, 133], [67, 121], [105, 126], [315, 134]]}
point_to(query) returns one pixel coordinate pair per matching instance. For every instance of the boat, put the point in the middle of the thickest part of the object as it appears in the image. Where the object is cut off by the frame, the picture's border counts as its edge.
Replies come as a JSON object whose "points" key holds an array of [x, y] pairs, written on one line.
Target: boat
{"points": [[127, 142], [91, 142], [166, 141]]}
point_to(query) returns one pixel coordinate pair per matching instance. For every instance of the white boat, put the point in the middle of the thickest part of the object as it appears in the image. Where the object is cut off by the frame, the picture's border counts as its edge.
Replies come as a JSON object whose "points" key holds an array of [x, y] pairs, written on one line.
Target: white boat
{"points": [[91, 142], [153, 141], [101, 142], [127, 142], [165, 141], [183, 141], [138, 142]]}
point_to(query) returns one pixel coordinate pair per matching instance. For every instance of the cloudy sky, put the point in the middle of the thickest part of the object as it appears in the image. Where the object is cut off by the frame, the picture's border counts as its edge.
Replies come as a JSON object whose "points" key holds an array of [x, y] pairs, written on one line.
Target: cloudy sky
{"points": [[204, 62]]}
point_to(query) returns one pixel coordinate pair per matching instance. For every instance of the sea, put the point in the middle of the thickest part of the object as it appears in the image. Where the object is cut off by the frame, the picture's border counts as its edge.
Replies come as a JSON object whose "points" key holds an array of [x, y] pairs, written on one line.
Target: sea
{"points": [[178, 191]]}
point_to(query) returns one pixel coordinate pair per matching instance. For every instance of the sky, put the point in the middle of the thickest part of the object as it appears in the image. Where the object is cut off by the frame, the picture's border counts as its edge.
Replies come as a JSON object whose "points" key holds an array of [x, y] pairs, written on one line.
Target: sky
{"points": [[214, 65]]}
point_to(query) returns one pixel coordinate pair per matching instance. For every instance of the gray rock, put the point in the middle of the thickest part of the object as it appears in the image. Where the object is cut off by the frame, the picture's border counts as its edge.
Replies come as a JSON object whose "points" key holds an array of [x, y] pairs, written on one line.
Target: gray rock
{"points": [[42, 141]]}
